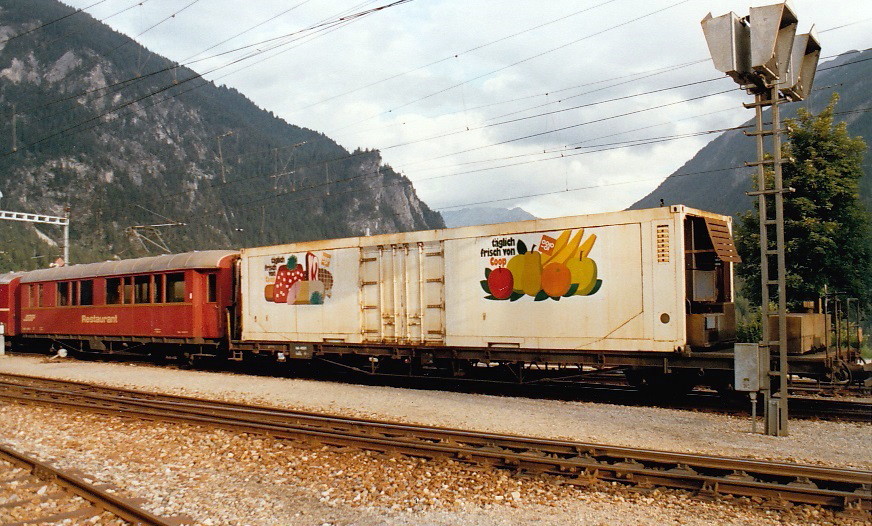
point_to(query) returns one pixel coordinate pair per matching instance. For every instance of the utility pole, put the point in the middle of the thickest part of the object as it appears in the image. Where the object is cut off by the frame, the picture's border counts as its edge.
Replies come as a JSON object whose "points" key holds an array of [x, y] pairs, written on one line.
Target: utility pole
{"points": [[14, 133], [67, 235], [765, 56], [221, 156], [277, 174]]}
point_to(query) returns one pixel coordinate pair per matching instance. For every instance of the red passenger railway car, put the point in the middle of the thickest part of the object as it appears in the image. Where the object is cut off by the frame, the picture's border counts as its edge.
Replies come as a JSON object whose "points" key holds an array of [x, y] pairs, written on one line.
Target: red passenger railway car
{"points": [[180, 300], [9, 303]]}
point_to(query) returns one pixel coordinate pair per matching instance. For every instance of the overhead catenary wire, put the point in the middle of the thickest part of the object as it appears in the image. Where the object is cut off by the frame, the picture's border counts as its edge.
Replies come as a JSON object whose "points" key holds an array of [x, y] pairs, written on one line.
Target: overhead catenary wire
{"points": [[552, 192], [286, 47], [627, 22], [555, 130], [247, 30], [326, 23], [345, 180], [338, 181], [50, 22], [516, 63], [136, 3], [525, 137], [257, 202], [161, 89], [455, 55]]}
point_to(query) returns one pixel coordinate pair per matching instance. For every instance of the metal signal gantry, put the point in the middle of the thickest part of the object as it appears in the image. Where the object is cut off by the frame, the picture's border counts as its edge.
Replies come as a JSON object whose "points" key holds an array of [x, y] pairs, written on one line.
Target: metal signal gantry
{"points": [[765, 56], [46, 219]]}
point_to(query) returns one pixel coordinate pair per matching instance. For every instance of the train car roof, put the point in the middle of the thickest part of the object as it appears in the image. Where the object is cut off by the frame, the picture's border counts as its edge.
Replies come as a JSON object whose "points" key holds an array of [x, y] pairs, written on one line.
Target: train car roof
{"points": [[7, 278], [497, 229], [206, 259]]}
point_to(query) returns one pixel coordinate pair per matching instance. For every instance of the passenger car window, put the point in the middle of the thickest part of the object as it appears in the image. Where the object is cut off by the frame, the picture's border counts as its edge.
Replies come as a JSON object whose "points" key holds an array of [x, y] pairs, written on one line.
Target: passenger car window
{"points": [[212, 282], [142, 284], [128, 291], [63, 296], [113, 291], [86, 292], [175, 288]]}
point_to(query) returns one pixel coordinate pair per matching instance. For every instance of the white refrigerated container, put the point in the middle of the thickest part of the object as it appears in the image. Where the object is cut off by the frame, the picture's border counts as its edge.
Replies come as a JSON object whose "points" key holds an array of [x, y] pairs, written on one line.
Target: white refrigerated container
{"points": [[618, 281]]}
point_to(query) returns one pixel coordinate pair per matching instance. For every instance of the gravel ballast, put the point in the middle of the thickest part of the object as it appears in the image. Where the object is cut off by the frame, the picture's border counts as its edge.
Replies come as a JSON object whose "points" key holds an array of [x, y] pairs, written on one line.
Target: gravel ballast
{"points": [[219, 477], [816, 442]]}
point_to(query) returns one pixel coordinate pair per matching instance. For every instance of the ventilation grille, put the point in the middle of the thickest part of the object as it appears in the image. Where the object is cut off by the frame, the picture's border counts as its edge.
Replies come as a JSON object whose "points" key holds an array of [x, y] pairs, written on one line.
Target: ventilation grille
{"points": [[662, 243], [722, 241]]}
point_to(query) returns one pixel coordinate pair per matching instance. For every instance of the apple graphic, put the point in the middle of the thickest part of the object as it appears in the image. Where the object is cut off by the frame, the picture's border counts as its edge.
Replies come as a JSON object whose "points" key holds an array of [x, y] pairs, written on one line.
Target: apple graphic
{"points": [[500, 282]]}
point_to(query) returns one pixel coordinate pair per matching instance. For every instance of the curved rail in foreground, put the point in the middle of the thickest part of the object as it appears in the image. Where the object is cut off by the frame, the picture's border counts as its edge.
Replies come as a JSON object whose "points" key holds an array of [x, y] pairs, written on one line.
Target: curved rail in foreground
{"points": [[581, 463], [100, 500]]}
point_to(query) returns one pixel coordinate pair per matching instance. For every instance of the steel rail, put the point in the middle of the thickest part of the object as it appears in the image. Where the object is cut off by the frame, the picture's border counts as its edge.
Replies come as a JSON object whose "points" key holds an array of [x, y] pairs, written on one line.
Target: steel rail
{"points": [[101, 499], [582, 462], [801, 407]]}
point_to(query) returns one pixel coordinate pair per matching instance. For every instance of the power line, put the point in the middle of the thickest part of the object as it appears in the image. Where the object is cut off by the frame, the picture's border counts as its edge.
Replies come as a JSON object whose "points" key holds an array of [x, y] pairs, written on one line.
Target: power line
{"points": [[456, 55], [50, 22], [137, 3], [326, 23], [343, 20], [516, 139], [201, 84], [526, 136], [519, 119], [271, 197], [251, 28], [377, 172], [527, 59]]}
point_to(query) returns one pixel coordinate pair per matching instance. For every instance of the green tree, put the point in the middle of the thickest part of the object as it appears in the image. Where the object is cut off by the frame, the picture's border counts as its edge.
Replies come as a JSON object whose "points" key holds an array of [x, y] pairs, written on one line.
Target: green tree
{"points": [[828, 239]]}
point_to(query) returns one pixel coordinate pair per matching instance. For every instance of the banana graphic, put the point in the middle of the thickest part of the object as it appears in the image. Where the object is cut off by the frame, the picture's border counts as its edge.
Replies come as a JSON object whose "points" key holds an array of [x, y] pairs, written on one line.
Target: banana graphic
{"points": [[565, 254], [585, 248], [559, 244]]}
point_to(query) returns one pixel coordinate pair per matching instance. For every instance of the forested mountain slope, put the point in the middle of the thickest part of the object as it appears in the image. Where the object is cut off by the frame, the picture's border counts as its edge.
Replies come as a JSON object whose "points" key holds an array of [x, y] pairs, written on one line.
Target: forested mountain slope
{"points": [[124, 137], [709, 187]]}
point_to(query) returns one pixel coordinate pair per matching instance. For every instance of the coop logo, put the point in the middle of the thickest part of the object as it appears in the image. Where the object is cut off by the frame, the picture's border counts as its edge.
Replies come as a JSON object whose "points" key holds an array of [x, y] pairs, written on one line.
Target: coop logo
{"points": [[99, 319]]}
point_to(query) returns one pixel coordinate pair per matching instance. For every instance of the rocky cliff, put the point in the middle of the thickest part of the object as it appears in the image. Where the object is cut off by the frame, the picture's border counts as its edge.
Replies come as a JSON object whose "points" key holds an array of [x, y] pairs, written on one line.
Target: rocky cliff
{"points": [[92, 121]]}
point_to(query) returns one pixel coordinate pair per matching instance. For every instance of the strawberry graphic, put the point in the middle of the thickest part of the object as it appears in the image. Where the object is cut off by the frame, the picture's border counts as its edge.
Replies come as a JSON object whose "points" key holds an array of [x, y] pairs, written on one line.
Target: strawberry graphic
{"points": [[287, 279]]}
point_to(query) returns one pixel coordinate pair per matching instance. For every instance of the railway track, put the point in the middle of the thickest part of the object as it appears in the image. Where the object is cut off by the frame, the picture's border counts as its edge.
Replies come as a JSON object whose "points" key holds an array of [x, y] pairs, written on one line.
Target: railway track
{"points": [[611, 388], [577, 462], [615, 391], [39, 493]]}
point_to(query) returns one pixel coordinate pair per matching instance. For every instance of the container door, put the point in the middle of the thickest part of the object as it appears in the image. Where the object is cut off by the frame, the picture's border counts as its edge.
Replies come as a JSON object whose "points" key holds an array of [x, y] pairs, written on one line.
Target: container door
{"points": [[371, 292], [401, 293], [432, 284]]}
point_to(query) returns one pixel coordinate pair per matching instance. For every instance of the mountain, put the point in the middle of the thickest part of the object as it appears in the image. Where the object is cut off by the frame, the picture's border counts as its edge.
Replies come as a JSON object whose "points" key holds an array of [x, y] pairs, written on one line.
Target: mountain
{"points": [[91, 120], [703, 183], [484, 215]]}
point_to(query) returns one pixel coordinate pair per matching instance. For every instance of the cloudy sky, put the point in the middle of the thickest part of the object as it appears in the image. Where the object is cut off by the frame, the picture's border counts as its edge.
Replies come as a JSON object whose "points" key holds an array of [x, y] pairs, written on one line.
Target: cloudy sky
{"points": [[548, 105]]}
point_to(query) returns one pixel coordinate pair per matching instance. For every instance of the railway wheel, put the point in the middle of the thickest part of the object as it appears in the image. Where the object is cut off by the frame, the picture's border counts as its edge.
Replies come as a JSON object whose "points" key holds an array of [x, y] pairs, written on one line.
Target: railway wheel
{"points": [[841, 373]]}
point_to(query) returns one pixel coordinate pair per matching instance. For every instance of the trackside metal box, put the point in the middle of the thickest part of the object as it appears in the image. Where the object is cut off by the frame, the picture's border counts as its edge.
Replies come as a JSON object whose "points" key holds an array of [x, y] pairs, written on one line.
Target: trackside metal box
{"points": [[751, 367], [614, 281]]}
